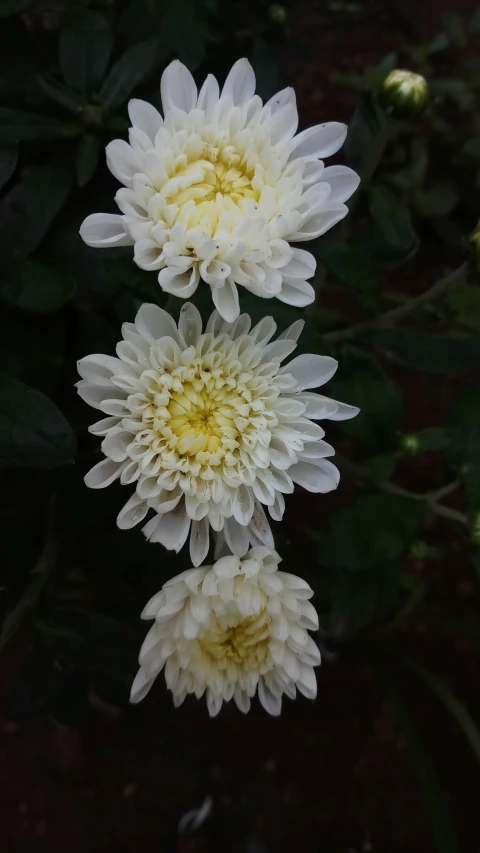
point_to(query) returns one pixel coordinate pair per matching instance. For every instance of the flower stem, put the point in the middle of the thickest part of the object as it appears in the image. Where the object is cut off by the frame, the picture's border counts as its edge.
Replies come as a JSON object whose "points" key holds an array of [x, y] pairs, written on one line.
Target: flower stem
{"points": [[391, 317], [431, 499]]}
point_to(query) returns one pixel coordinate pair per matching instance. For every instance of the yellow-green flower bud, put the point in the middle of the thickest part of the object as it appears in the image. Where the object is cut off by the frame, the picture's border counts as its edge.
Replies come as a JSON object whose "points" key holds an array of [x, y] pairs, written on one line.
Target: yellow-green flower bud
{"points": [[278, 13], [404, 92], [410, 443]]}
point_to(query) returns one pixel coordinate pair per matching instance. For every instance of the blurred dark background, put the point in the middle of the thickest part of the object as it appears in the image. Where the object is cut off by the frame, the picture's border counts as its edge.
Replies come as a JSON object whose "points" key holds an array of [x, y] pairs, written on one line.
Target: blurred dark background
{"points": [[387, 757]]}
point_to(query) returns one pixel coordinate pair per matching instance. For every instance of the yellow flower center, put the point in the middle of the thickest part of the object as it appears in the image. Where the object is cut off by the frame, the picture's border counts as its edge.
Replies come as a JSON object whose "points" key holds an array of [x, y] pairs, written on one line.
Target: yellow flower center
{"points": [[200, 422], [199, 416], [209, 179], [244, 643]]}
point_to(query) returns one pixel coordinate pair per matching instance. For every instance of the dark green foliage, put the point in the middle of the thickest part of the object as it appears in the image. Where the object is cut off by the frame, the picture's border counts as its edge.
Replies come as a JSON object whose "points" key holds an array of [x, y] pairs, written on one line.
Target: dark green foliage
{"points": [[410, 461]]}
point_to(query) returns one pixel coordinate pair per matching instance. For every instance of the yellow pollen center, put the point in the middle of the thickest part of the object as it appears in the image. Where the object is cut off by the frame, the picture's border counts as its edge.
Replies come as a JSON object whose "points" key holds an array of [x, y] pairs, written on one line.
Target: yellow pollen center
{"points": [[200, 423], [245, 643], [220, 179]]}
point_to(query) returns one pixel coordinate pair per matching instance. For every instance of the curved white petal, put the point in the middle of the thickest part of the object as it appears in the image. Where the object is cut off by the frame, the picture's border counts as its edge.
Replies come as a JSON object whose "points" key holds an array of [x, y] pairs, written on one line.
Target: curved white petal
{"points": [[144, 116], [240, 83], [315, 475], [320, 141], [177, 88], [310, 371], [343, 182], [122, 161], [297, 292], [153, 323], [104, 230], [171, 529], [199, 541], [103, 474], [181, 284], [226, 301]]}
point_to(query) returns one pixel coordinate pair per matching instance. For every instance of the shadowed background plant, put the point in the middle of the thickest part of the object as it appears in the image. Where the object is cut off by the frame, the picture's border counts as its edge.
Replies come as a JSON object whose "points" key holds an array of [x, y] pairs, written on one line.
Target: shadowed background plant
{"points": [[397, 303]]}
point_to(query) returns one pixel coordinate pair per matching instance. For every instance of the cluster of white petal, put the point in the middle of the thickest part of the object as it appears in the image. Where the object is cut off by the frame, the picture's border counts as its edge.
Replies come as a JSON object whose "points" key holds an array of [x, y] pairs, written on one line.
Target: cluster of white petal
{"points": [[209, 426], [219, 187], [226, 630]]}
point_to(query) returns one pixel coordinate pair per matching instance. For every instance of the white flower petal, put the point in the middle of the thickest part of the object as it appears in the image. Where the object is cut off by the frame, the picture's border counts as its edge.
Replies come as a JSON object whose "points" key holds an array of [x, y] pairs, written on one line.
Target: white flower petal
{"points": [[297, 292], [199, 541], [153, 323], [177, 88], [316, 225], [190, 324], [283, 124], [240, 83], [281, 99], [302, 265], [103, 474], [177, 283], [226, 301], [122, 161], [319, 476], [141, 686], [208, 95], [320, 141], [104, 230], [343, 182], [144, 116], [310, 370], [171, 529], [132, 513]]}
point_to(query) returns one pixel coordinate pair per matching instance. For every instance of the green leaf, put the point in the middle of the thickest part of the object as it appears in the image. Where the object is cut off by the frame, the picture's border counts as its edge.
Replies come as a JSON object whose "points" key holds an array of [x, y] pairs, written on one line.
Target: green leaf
{"points": [[32, 348], [375, 529], [38, 287], [360, 598], [367, 137], [379, 400], [84, 50], [472, 147], [464, 451], [60, 93], [433, 795], [392, 219], [19, 126], [474, 23], [456, 708], [464, 303], [380, 468], [33, 432], [96, 641], [433, 438], [31, 594], [8, 163], [427, 352], [454, 28], [352, 268], [184, 31], [135, 64], [86, 158], [439, 200], [30, 207]]}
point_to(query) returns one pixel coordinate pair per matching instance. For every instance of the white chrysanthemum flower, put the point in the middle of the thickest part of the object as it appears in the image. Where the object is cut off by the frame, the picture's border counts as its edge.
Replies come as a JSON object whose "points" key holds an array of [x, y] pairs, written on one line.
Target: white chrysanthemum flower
{"points": [[226, 629], [209, 426], [218, 188]]}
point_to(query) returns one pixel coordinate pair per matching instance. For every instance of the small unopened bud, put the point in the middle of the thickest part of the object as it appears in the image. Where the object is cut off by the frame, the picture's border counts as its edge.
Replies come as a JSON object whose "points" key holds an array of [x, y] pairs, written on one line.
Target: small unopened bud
{"points": [[410, 443], [404, 92], [278, 13]]}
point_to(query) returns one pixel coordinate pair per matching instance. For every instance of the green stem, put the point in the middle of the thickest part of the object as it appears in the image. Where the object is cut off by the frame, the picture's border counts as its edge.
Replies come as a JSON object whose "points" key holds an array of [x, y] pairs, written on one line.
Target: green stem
{"points": [[431, 499], [389, 318]]}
